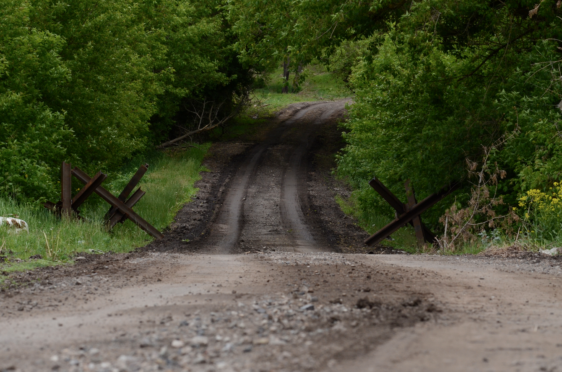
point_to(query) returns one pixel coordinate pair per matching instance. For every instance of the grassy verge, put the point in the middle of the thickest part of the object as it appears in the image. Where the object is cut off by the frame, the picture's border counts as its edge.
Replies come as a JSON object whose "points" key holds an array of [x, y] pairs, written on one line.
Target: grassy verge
{"points": [[403, 239], [319, 85], [169, 184]]}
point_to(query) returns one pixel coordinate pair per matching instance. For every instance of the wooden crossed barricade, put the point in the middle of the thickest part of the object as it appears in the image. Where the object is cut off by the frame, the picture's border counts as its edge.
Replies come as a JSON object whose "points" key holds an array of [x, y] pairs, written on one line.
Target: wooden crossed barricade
{"points": [[121, 207], [407, 213]]}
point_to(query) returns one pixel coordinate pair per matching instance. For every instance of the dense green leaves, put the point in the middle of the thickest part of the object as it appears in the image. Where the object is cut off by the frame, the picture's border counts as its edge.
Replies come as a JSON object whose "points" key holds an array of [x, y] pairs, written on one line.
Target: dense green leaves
{"points": [[93, 82], [449, 80], [31, 133]]}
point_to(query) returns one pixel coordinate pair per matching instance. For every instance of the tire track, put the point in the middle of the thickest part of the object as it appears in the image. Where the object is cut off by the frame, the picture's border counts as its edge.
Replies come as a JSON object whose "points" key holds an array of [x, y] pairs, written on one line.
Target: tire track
{"points": [[264, 204]]}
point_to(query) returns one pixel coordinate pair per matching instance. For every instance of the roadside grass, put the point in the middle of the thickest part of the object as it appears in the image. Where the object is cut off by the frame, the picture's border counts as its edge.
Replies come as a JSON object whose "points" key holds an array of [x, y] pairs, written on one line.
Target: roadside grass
{"points": [[319, 85], [499, 243], [169, 183], [403, 239]]}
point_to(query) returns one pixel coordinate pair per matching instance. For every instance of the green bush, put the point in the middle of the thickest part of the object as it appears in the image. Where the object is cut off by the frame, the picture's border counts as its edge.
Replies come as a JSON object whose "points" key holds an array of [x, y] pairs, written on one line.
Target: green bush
{"points": [[94, 83], [429, 98]]}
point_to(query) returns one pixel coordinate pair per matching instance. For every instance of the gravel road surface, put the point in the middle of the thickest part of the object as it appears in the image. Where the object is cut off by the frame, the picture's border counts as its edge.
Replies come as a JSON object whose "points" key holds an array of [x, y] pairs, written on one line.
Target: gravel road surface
{"points": [[274, 278]]}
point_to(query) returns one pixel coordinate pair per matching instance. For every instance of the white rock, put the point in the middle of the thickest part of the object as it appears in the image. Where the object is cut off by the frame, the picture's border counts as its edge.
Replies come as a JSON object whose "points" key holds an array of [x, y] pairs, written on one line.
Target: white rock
{"points": [[124, 361], [551, 252], [14, 224], [177, 344], [199, 341], [261, 341], [199, 359], [339, 327], [227, 347], [276, 341]]}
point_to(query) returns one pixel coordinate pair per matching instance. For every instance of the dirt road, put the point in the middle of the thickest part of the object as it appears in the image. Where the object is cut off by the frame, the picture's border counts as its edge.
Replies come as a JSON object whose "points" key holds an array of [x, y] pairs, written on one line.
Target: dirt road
{"points": [[266, 283]]}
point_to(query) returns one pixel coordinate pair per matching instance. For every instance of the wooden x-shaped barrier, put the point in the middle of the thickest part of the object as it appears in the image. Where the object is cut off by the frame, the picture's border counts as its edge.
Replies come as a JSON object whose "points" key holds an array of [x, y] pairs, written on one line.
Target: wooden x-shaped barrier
{"points": [[407, 213], [121, 207]]}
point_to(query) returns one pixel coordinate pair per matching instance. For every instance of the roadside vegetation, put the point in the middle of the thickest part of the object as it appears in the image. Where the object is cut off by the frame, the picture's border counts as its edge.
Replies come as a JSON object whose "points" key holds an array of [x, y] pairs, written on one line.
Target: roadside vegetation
{"points": [[169, 184]]}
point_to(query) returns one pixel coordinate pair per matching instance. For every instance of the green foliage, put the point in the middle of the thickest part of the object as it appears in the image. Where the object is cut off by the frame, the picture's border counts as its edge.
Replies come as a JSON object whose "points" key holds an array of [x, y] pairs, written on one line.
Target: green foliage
{"points": [[430, 96], [32, 135], [436, 82], [343, 58], [169, 184], [95, 83]]}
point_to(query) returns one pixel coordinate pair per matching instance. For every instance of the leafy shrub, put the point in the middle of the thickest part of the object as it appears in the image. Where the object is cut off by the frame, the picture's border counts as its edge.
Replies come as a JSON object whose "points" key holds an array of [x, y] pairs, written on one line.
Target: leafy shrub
{"points": [[429, 98], [32, 135], [95, 83], [542, 213]]}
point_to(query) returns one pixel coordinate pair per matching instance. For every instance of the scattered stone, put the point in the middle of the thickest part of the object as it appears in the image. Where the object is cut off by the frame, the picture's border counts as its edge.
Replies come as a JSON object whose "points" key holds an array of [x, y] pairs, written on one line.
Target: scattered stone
{"points": [[364, 303], [307, 307], [126, 362], [199, 359], [146, 342], [198, 341], [276, 341], [247, 349], [551, 252], [177, 344], [228, 347], [261, 341]]}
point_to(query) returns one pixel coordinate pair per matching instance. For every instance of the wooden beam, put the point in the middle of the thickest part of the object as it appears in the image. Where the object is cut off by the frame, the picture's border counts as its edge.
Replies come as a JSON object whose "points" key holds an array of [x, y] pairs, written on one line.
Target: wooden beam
{"points": [[114, 201], [416, 221], [128, 189], [66, 189], [398, 206], [418, 209], [387, 195], [88, 190], [120, 216]]}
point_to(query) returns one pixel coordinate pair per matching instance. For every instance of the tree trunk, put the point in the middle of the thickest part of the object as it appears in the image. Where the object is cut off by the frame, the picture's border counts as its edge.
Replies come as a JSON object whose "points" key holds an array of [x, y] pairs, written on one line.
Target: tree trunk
{"points": [[296, 79], [286, 73]]}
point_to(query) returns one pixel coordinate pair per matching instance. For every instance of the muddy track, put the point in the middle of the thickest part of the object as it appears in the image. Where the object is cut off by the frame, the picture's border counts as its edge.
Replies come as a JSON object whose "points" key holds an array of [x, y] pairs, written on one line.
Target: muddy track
{"points": [[259, 195], [266, 199]]}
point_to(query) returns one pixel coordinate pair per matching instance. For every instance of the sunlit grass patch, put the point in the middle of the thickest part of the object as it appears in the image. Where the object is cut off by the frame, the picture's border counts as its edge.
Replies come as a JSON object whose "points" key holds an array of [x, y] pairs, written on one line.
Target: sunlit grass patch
{"points": [[319, 85]]}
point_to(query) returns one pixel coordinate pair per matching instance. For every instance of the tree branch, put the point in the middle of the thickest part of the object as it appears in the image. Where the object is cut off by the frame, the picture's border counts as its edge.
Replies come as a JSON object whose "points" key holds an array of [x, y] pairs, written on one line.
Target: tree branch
{"points": [[212, 124]]}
